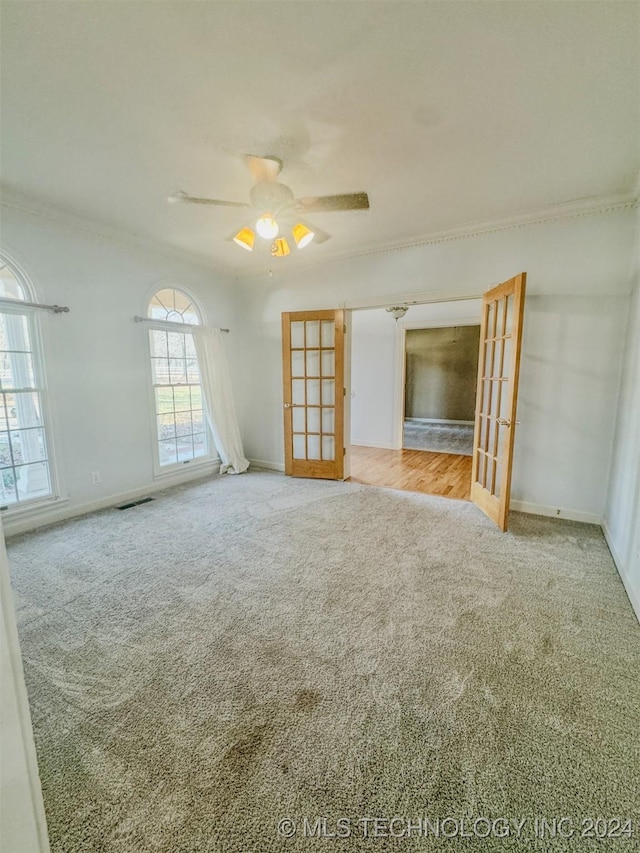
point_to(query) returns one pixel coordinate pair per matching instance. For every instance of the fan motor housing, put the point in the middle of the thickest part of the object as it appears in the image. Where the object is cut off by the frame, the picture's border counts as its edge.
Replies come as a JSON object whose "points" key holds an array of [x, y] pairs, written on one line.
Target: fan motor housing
{"points": [[273, 197]]}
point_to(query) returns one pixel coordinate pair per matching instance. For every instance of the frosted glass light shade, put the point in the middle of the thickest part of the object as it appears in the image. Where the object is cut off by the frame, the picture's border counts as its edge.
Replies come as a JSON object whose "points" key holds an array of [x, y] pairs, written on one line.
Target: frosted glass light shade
{"points": [[302, 235], [280, 248], [267, 227], [245, 238]]}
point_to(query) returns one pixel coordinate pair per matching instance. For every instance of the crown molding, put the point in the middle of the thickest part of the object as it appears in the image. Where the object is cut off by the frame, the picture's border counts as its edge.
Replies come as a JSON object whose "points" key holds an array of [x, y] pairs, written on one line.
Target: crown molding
{"points": [[33, 206], [577, 209]]}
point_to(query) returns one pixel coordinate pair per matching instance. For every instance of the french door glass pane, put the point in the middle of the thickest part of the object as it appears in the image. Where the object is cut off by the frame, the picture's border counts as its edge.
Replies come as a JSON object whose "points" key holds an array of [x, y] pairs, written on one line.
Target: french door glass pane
{"points": [[297, 335], [313, 420], [299, 447], [313, 392], [297, 363], [328, 420], [312, 334], [313, 447], [313, 363], [328, 333], [298, 419], [328, 448]]}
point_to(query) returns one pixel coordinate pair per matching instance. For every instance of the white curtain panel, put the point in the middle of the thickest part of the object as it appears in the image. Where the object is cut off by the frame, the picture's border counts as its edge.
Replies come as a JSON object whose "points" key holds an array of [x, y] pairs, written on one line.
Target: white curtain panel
{"points": [[217, 390]]}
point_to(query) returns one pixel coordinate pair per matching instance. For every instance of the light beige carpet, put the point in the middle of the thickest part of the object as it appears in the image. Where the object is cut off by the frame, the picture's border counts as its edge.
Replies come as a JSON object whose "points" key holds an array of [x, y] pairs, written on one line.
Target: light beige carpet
{"points": [[252, 649]]}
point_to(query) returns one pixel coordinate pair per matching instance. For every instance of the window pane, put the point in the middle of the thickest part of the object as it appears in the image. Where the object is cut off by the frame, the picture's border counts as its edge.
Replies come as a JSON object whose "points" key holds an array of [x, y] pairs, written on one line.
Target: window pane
{"points": [[197, 420], [166, 427], [158, 341], [5, 450], [178, 371], [10, 287], [178, 395], [173, 306], [8, 494], [160, 371], [28, 445], [185, 448], [33, 481], [20, 410], [164, 400], [182, 399], [196, 397], [23, 445], [183, 424], [168, 454], [16, 370]]}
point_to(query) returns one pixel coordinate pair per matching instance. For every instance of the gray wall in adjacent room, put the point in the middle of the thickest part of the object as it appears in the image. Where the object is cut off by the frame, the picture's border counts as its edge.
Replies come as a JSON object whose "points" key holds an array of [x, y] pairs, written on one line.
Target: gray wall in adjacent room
{"points": [[442, 367]]}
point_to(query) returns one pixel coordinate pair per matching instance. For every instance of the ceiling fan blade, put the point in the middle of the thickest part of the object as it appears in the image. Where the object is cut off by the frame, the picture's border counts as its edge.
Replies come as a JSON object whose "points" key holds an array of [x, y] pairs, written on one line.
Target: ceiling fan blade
{"points": [[190, 199], [333, 203], [263, 169]]}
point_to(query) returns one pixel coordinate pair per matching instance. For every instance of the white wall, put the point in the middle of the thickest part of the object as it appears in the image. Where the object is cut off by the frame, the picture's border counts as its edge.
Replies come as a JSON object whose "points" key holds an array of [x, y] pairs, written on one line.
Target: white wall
{"points": [[622, 513], [23, 826], [578, 285], [377, 357], [96, 361]]}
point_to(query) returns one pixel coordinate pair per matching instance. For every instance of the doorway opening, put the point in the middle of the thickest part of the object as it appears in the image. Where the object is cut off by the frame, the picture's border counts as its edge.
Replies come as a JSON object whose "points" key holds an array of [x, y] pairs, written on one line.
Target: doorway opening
{"points": [[413, 397]]}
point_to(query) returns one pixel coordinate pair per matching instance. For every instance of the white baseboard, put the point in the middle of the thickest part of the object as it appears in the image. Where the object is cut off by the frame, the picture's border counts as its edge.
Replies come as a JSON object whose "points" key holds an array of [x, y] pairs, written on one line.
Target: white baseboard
{"points": [[625, 576], [61, 511], [556, 512], [270, 466], [440, 421], [379, 444]]}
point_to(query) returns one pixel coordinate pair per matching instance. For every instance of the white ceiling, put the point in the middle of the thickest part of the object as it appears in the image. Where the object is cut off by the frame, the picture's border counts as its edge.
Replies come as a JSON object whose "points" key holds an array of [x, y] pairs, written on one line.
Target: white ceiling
{"points": [[444, 112]]}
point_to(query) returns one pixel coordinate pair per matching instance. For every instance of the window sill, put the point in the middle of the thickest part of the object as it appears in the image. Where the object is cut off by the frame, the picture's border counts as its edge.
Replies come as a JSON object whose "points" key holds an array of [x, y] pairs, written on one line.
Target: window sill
{"points": [[173, 471], [33, 507]]}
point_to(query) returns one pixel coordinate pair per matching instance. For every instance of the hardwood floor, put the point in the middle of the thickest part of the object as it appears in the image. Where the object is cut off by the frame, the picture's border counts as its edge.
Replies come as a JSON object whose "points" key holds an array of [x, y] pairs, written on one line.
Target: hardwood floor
{"points": [[445, 474]]}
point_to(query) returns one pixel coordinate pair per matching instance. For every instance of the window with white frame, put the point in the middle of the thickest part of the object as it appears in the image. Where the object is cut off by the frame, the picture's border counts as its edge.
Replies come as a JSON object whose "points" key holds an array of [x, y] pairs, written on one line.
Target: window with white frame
{"points": [[25, 471], [179, 419]]}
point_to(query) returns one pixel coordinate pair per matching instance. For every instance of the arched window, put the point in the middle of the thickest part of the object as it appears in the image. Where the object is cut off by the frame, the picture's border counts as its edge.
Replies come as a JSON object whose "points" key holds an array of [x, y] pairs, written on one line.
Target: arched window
{"points": [[180, 426], [25, 472]]}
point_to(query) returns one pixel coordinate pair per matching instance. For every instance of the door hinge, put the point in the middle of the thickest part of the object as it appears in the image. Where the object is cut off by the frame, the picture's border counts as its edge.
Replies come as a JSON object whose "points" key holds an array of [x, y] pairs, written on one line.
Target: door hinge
{"points": [[344, 330], [344, 392], [344, 451]]}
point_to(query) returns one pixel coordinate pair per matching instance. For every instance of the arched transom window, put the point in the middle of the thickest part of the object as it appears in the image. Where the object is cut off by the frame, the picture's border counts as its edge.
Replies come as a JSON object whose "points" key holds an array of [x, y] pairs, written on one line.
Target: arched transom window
{"points": [[25, 472], [181, 433]]}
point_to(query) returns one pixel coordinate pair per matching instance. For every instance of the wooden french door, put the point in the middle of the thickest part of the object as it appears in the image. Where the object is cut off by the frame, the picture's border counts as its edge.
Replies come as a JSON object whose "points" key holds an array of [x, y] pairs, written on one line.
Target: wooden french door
{"points": [[497, 397], [313, 395]]}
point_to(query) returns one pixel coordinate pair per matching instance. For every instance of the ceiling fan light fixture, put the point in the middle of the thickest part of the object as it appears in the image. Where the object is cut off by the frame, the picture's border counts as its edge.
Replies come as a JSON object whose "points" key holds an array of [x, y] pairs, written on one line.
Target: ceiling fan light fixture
{"points": [[245, 238], [302, 235], [398, 311], [267, 226], [280, 248]]}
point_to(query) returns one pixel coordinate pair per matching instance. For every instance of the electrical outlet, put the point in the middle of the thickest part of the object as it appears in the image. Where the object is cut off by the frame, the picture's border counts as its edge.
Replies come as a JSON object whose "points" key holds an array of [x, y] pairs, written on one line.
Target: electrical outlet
{"points": [[95, 478]]}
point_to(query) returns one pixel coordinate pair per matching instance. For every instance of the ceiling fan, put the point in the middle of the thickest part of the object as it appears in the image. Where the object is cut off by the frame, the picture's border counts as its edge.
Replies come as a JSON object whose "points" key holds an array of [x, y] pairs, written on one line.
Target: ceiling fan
{"points": [[279, 211]]}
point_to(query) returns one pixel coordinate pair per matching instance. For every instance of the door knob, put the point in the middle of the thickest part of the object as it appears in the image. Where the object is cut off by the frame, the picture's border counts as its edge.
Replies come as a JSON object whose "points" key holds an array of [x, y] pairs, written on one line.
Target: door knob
{"points": [[287, 405], [506, 422]]}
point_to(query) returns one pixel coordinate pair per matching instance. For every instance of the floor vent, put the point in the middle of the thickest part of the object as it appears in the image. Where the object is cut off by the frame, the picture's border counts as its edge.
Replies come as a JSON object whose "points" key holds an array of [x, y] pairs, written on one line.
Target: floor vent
{"points": [[135, 503]]}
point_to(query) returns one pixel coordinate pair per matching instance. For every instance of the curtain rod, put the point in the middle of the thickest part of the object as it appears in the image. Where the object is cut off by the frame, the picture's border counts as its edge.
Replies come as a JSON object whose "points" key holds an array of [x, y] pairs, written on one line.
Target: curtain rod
{"points": [[56, 309], [168, 323]]}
